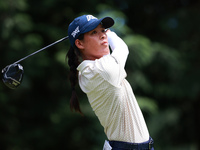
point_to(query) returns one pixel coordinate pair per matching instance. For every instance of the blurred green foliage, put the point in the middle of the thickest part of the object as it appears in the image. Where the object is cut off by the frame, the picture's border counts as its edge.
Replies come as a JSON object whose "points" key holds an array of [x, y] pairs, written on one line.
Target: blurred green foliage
{"points": [[163, 68]]}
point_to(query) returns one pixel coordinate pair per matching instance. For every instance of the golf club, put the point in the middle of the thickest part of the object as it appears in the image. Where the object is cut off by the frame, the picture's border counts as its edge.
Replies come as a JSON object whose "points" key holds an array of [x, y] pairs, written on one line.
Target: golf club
{"points": [[12, 74]]}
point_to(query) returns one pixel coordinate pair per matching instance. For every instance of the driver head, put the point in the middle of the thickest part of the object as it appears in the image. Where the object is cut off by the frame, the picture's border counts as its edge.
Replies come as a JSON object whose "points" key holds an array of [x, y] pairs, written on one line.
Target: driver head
{"points": [[12, 75]]}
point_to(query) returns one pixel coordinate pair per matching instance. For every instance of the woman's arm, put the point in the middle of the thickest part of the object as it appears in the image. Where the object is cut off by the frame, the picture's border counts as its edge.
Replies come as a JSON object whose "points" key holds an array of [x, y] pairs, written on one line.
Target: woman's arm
{"points": [[119, 48]]}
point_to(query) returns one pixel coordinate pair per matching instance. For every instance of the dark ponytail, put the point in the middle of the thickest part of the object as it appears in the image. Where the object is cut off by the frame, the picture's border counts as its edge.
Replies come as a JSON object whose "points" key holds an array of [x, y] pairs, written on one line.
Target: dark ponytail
{"points": [[73, 62]]}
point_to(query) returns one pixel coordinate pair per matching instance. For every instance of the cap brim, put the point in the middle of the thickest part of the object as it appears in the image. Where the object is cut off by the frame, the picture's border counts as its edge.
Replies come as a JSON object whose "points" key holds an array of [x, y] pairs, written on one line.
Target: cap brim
{"points": [[107, 22]]}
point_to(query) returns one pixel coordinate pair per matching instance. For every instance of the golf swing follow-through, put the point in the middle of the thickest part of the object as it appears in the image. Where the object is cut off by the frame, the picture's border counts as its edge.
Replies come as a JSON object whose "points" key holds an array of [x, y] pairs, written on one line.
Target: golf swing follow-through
{"points": [[12, 74], [97, 58]]}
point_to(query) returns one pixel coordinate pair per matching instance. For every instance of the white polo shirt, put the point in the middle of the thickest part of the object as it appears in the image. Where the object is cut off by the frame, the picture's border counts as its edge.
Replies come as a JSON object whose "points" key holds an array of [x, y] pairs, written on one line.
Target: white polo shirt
{"points": [[111, 96]]}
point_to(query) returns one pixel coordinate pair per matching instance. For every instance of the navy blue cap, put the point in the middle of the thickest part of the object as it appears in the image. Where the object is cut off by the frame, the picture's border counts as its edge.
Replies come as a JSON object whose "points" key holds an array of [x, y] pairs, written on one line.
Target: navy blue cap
{"points": [[86, 23]]}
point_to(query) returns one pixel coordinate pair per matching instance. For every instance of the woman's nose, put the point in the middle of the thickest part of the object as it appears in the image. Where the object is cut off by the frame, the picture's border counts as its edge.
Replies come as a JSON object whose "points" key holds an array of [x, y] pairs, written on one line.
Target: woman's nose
{"points": [[102, 35]]}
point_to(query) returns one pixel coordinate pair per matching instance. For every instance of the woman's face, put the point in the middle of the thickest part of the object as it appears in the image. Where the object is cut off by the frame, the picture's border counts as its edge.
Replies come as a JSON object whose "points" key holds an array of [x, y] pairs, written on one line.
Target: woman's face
{"points": [[94, 45]]}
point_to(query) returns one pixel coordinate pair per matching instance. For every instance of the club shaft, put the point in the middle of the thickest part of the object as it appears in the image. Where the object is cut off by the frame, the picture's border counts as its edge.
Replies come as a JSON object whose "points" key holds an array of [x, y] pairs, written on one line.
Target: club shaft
{"points": [[58, 41]]}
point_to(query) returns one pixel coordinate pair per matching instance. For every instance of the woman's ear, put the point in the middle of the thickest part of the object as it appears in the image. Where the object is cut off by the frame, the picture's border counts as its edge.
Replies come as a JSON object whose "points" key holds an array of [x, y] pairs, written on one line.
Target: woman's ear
{"points": [[79, 44]]}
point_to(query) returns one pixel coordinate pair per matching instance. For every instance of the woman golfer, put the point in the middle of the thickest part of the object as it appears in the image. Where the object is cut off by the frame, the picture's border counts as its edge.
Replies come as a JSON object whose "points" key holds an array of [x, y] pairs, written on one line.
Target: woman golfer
{"points": [[101, 76]]}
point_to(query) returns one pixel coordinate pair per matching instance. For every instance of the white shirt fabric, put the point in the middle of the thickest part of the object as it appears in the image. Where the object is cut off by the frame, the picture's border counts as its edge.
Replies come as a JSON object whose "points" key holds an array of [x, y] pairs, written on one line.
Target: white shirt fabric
{"points": [[111, 96]]}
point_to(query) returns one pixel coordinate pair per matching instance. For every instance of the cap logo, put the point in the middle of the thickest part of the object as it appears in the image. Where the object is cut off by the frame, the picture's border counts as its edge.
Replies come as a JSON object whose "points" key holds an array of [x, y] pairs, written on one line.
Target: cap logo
{"points": [[89, 17], [75, 32]]}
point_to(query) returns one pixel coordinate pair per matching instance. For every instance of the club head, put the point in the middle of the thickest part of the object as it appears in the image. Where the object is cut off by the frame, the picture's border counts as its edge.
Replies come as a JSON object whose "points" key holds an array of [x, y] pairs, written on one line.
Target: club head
{"points": [[12, 75]]}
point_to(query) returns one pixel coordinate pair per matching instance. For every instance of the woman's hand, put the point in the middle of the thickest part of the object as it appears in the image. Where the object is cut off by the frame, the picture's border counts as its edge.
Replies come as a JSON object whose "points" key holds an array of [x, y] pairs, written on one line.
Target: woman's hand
{"points": [[107, 30]]}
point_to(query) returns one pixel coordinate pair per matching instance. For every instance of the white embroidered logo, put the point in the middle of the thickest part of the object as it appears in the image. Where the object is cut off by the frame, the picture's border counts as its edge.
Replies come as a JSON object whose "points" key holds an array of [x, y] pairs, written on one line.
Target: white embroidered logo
{"points": [[89, 17], [76, 31]]}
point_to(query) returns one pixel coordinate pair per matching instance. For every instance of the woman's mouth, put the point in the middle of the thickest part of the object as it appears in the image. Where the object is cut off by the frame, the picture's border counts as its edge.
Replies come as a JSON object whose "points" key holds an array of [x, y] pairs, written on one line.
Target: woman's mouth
{"points": [[104, 43]]}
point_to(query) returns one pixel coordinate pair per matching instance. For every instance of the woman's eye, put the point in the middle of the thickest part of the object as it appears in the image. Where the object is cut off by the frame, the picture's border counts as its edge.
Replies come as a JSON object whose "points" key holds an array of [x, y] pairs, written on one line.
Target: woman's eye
{"points": [[94, 32]]}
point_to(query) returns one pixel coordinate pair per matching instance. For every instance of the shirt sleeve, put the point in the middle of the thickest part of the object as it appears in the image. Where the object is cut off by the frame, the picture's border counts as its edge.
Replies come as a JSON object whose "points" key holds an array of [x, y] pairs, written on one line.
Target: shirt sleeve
{"points": [[111, 67], [119, 48]]}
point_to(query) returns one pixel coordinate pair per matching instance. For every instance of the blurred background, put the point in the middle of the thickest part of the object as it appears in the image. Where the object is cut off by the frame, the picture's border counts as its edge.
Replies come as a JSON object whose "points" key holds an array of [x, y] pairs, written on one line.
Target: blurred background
{"points": [[162, 67]]}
